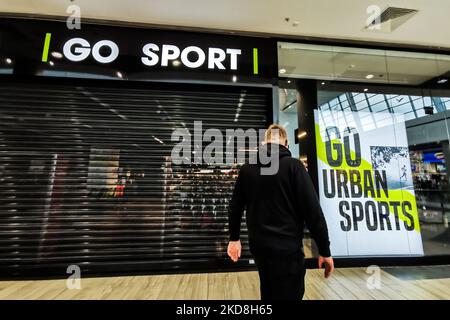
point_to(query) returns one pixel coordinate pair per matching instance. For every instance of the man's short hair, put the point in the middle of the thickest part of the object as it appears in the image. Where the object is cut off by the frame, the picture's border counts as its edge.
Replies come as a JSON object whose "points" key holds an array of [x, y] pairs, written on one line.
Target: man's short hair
{"points": [[275, 132]]}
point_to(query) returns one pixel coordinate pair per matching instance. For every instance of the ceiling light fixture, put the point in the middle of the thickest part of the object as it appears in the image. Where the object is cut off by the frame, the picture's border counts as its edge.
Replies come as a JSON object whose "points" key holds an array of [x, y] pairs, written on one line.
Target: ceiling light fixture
{"points": [[323, 83], [51, 63], [8, 61], [234, 78], [370, 76], [283, 71], [442, 81], [119, 74], [365, 89], [301, 135], [176, 63]]}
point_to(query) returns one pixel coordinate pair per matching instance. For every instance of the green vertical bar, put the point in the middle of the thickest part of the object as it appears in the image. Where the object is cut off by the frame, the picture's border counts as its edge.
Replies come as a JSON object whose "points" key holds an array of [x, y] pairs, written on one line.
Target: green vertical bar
{"points": [[48, 37], [255, 60]]}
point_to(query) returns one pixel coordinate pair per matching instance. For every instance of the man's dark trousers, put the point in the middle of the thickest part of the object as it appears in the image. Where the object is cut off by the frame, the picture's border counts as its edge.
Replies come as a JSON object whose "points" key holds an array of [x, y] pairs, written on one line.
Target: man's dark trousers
{"points": [[282, 277]]}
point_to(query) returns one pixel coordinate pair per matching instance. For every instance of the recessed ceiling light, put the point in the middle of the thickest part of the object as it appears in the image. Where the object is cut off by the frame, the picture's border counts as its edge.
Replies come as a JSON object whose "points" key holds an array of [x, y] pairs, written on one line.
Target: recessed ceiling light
{"points": [[8, 61], [323, 83], [282, 71], [365, 89], [176, 63], [442, 81], [51, 63], [289, 81], [57, 55], [370, 76], [119, 74], [234, 79]]}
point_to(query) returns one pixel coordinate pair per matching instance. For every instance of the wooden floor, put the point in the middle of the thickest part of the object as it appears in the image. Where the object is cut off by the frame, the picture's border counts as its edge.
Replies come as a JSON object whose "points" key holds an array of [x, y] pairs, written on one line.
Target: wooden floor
{"points": [[345, 284]]}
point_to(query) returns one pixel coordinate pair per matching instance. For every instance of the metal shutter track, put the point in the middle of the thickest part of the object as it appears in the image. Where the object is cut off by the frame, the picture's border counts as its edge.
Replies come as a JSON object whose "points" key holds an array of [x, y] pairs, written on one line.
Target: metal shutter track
{"points": [[66, 151]]}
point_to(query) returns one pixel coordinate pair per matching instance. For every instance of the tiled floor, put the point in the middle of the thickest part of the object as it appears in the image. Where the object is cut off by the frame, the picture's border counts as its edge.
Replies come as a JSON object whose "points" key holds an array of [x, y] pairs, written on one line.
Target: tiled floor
{"points": [[398, 283]]}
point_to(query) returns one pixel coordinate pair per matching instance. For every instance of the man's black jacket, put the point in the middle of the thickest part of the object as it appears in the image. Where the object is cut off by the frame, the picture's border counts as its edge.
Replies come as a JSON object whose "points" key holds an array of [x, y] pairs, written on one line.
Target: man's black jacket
{"points": [[277, 207]]}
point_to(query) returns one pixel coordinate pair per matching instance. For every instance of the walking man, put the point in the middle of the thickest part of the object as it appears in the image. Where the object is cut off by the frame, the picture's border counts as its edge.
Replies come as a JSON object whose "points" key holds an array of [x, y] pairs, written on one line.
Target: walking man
{"points": [[277, 208]]}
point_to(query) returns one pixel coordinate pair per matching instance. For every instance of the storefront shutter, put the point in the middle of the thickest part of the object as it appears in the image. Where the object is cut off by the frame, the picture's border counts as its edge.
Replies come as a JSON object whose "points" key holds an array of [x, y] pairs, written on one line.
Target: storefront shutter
{"points": [[86, 177]]}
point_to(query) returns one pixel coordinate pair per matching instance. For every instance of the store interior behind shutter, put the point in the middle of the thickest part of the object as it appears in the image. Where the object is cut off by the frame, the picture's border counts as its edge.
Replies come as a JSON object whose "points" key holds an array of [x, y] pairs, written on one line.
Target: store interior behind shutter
{"points": [[86, 177]]}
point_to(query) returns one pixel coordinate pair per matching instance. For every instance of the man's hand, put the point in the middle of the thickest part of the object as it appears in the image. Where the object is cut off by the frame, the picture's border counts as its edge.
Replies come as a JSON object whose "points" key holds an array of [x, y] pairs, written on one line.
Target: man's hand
{"points": [[234, 250], [329, 265]]}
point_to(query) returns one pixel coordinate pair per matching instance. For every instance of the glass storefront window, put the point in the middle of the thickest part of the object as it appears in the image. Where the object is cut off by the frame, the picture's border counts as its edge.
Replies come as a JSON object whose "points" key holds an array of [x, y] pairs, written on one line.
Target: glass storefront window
{"points": [[426, 120], [404, 129], [287, 117], [338, 63]]}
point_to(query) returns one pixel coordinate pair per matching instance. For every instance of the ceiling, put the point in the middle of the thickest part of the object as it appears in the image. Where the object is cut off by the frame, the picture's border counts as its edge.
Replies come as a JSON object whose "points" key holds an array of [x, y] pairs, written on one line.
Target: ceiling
{"points": [[343, 19], [323, 62]]}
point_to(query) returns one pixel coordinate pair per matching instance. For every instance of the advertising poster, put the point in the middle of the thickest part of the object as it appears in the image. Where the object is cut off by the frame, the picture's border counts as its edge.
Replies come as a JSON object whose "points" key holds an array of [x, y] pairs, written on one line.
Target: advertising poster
{"points": [[365, 184]]}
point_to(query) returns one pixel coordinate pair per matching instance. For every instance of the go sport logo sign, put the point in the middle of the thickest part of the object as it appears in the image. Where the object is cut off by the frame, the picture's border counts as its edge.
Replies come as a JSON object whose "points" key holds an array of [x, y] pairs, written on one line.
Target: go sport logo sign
{"points": [[192, 57]]}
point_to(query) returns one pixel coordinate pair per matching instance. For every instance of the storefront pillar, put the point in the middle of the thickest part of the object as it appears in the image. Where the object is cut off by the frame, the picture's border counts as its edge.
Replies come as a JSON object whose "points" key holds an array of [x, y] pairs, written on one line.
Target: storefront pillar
{"points": [[306, 103]]}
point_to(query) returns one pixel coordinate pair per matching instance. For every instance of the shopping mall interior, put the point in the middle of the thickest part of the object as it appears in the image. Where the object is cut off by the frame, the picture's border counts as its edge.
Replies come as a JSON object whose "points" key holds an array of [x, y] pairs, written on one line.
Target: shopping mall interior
{"points": [[93, 204]]}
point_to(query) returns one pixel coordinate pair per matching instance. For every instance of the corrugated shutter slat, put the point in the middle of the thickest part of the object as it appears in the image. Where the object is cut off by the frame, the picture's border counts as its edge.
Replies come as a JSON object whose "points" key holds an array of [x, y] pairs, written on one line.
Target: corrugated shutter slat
{"points": [[86, 178]]}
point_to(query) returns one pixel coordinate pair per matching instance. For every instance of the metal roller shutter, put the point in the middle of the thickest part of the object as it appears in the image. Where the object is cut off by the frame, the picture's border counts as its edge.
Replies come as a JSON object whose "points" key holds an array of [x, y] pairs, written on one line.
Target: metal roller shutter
{"points": [[86, 177]]}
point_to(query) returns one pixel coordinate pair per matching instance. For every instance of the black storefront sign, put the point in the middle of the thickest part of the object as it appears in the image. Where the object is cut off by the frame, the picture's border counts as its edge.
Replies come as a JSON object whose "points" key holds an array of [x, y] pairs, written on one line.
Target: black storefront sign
{"points": [[50, 48]]}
